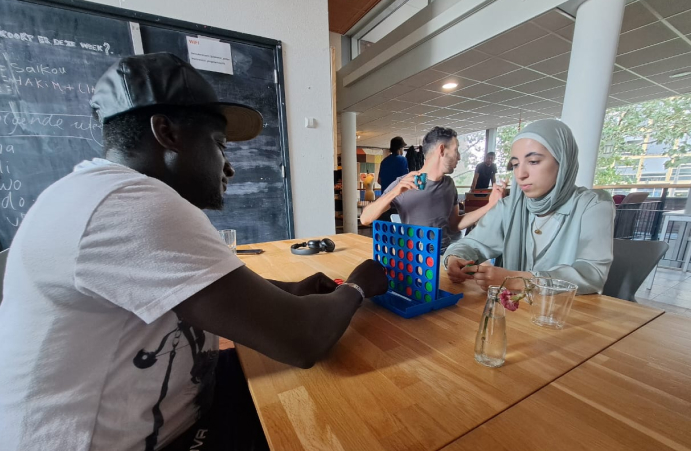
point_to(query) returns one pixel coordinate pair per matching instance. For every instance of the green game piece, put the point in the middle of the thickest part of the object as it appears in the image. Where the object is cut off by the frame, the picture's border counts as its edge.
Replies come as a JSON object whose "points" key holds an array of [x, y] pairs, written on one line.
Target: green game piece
{"points": [[401, 242], [392, 284], [429, 274], [385, 260], [411, 232], [409, 280], [428, 298], [470, 273], [418, 295], [428, 286]]}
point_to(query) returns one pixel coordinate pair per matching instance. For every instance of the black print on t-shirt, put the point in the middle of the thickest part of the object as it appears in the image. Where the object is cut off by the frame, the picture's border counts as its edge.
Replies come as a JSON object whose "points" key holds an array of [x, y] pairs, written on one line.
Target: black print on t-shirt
{"points": [[202, 371]]}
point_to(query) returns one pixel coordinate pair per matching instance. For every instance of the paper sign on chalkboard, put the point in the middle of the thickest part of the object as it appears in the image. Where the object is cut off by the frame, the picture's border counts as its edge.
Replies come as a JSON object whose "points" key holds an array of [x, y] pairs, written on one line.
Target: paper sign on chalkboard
{"points": [[210, 54]]}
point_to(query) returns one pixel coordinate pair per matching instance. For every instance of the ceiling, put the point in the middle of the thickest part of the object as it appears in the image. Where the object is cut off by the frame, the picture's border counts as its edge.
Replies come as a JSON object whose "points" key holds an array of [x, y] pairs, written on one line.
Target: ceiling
{"points": [[343, 14], [521, 75]]}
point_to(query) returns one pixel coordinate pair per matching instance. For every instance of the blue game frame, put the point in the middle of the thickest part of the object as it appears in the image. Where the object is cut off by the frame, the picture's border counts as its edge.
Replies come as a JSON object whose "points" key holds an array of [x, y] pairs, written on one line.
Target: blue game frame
{"points": [[411, 256]]}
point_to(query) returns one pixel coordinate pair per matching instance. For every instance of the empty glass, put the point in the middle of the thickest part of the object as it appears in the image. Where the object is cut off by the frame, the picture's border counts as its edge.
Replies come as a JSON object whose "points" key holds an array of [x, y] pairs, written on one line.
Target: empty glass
{"points": [[228, 237], [552, 299]]}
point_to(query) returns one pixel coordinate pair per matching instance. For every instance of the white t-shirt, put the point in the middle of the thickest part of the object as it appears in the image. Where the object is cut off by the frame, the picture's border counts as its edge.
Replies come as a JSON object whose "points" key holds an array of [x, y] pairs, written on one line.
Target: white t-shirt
{"points": [[90, 348]]}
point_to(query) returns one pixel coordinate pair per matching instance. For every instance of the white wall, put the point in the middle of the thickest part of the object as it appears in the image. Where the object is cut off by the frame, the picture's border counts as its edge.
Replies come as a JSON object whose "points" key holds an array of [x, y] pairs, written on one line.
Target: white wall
{"points": [[303, 28]]}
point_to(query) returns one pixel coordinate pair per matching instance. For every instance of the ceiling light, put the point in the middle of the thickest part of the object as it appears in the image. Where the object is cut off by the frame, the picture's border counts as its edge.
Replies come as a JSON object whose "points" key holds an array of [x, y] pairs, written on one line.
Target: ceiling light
{"points": [[450, 85], [680, 74], [358, 136]]}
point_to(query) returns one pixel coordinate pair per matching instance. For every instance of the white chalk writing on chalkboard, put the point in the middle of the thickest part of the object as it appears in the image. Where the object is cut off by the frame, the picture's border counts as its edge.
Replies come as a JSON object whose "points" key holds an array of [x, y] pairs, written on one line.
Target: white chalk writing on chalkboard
{"points": [[14, 76], [12, 204], [21, 36], [15, 124]]}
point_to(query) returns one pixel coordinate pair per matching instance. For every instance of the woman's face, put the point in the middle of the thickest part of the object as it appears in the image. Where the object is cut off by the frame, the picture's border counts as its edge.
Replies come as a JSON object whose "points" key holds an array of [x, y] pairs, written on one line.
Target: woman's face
{"points": [[534, 168]]}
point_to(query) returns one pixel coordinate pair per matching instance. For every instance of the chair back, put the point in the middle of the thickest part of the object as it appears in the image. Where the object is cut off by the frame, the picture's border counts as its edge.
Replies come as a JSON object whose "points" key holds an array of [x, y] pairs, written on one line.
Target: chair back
{"points": [[3, 264], [635, 198], [633, 261]]}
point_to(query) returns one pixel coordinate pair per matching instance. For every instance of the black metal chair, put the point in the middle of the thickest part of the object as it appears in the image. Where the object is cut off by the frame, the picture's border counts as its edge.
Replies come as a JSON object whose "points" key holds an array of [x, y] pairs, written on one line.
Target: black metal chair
{"points": [[633, 261]]}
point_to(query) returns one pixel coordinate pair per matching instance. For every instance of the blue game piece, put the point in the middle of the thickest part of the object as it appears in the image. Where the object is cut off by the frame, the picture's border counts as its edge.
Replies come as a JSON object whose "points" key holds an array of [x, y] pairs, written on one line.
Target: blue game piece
{"points": [[420, 181]]}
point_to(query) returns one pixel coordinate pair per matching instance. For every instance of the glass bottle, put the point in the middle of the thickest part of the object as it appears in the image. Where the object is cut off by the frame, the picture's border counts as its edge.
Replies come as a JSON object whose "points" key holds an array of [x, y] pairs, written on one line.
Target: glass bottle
{"points": [[490, 343]]}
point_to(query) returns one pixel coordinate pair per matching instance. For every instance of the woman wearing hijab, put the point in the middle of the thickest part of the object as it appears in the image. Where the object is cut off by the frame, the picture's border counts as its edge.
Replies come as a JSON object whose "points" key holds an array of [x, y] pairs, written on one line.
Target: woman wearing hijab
{"points": [[547, 227]]}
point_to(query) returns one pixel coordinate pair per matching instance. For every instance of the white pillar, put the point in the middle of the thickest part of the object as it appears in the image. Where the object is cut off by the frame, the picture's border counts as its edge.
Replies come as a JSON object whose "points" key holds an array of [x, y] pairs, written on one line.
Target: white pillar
{"points": [[594, 49], [349, 171], [490, 140]]}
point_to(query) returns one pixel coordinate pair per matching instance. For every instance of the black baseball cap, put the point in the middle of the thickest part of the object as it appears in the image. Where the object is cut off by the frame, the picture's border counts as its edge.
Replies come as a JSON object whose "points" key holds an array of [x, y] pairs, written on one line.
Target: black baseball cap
{"points": [[164, 79], [397, 143]]}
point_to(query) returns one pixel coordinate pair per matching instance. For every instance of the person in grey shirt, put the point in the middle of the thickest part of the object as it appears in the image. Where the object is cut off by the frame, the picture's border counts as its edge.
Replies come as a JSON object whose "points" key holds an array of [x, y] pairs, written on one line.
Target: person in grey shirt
{"points": [[437, 204], [548, 227]]}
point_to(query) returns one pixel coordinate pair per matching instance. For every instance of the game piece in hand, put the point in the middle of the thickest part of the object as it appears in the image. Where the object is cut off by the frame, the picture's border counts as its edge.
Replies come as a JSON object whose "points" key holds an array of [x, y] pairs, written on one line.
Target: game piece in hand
{"points": [[471, 264], [420, 181]]}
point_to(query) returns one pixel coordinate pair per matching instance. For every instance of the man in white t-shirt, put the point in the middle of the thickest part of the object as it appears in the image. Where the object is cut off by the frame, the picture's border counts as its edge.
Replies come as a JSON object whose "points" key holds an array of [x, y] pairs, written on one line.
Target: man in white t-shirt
{"points": [[117, 285]]}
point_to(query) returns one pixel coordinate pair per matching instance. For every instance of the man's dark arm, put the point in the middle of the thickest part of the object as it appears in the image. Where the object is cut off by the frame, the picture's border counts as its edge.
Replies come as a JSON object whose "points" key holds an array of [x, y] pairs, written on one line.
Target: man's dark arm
{"points": [[298, 330], [475, 177], [317, 283]]}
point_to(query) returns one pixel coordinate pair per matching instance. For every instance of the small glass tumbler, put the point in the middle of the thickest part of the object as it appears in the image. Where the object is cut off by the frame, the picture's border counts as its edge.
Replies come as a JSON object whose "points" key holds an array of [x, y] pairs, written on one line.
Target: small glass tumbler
{"points": [[228, 237], [552, 300]]}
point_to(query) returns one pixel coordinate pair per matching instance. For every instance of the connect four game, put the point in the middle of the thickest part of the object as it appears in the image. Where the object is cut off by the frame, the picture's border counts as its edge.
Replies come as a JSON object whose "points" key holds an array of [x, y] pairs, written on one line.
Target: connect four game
{"points": [[411, 256]]}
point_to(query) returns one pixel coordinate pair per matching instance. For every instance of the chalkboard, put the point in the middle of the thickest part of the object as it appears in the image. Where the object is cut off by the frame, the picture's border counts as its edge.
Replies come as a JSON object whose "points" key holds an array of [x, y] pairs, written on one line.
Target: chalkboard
{"points": [[256, 200], [50, 60]]}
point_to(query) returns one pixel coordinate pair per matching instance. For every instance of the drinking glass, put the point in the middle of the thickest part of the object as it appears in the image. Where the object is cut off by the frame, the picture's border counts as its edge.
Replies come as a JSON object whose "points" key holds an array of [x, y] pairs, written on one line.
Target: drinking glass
{"points": [[552, 299], [228, 237]]}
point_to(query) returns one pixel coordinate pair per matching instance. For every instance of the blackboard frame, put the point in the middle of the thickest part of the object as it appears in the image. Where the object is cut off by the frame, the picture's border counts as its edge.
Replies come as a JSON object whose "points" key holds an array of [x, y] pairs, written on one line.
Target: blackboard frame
{"points": [[113, 12]]}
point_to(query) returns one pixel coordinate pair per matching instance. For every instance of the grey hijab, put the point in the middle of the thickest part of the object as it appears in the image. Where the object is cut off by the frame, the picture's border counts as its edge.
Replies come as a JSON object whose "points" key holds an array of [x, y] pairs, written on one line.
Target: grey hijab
{"points": [[559, 141], [556, 136]]}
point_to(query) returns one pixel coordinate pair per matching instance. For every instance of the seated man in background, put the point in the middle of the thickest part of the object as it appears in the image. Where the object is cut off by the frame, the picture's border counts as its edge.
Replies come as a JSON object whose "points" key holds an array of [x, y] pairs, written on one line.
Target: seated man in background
{"points": [[118, 285], [485, 173], [437, 204]]}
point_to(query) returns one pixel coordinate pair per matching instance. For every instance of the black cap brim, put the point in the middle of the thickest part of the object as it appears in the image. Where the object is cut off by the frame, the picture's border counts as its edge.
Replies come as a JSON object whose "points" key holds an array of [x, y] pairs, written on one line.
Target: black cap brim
{"points": [[242, 122]]}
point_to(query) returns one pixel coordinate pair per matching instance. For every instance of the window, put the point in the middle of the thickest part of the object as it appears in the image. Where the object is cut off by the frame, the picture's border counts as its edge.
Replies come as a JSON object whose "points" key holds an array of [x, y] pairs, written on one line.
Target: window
{"points": [[682, 173], [653, 177], [626, 170], [654, 165], [655, 149]]}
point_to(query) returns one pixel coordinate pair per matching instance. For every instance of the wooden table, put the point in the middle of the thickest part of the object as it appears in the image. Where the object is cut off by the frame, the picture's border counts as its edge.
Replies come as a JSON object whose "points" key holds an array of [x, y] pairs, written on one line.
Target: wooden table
{"points": [[393, 383], [635, 395]]}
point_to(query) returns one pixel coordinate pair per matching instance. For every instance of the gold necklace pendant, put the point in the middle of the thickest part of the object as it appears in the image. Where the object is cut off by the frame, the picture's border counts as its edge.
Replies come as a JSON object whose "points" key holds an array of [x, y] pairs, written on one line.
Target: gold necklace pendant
{"points": [[537, 230]]}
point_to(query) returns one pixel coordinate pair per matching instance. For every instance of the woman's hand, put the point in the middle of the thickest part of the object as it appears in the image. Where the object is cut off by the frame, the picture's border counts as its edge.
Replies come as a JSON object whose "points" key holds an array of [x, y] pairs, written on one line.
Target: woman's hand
{"points": [[458, 269], [486, 276]]}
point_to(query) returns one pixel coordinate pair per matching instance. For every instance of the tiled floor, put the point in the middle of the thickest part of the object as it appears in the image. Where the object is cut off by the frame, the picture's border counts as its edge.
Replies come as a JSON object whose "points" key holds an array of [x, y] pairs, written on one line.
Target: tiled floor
{"points": [[671, 292]]}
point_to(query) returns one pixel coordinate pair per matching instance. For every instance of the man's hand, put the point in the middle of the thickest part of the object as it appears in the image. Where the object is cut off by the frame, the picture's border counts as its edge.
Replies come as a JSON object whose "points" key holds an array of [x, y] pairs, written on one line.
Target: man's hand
{"points": [[371, 277], [406, 183], [497, 192], [376, 208], [459, 269], [317, 283]]}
